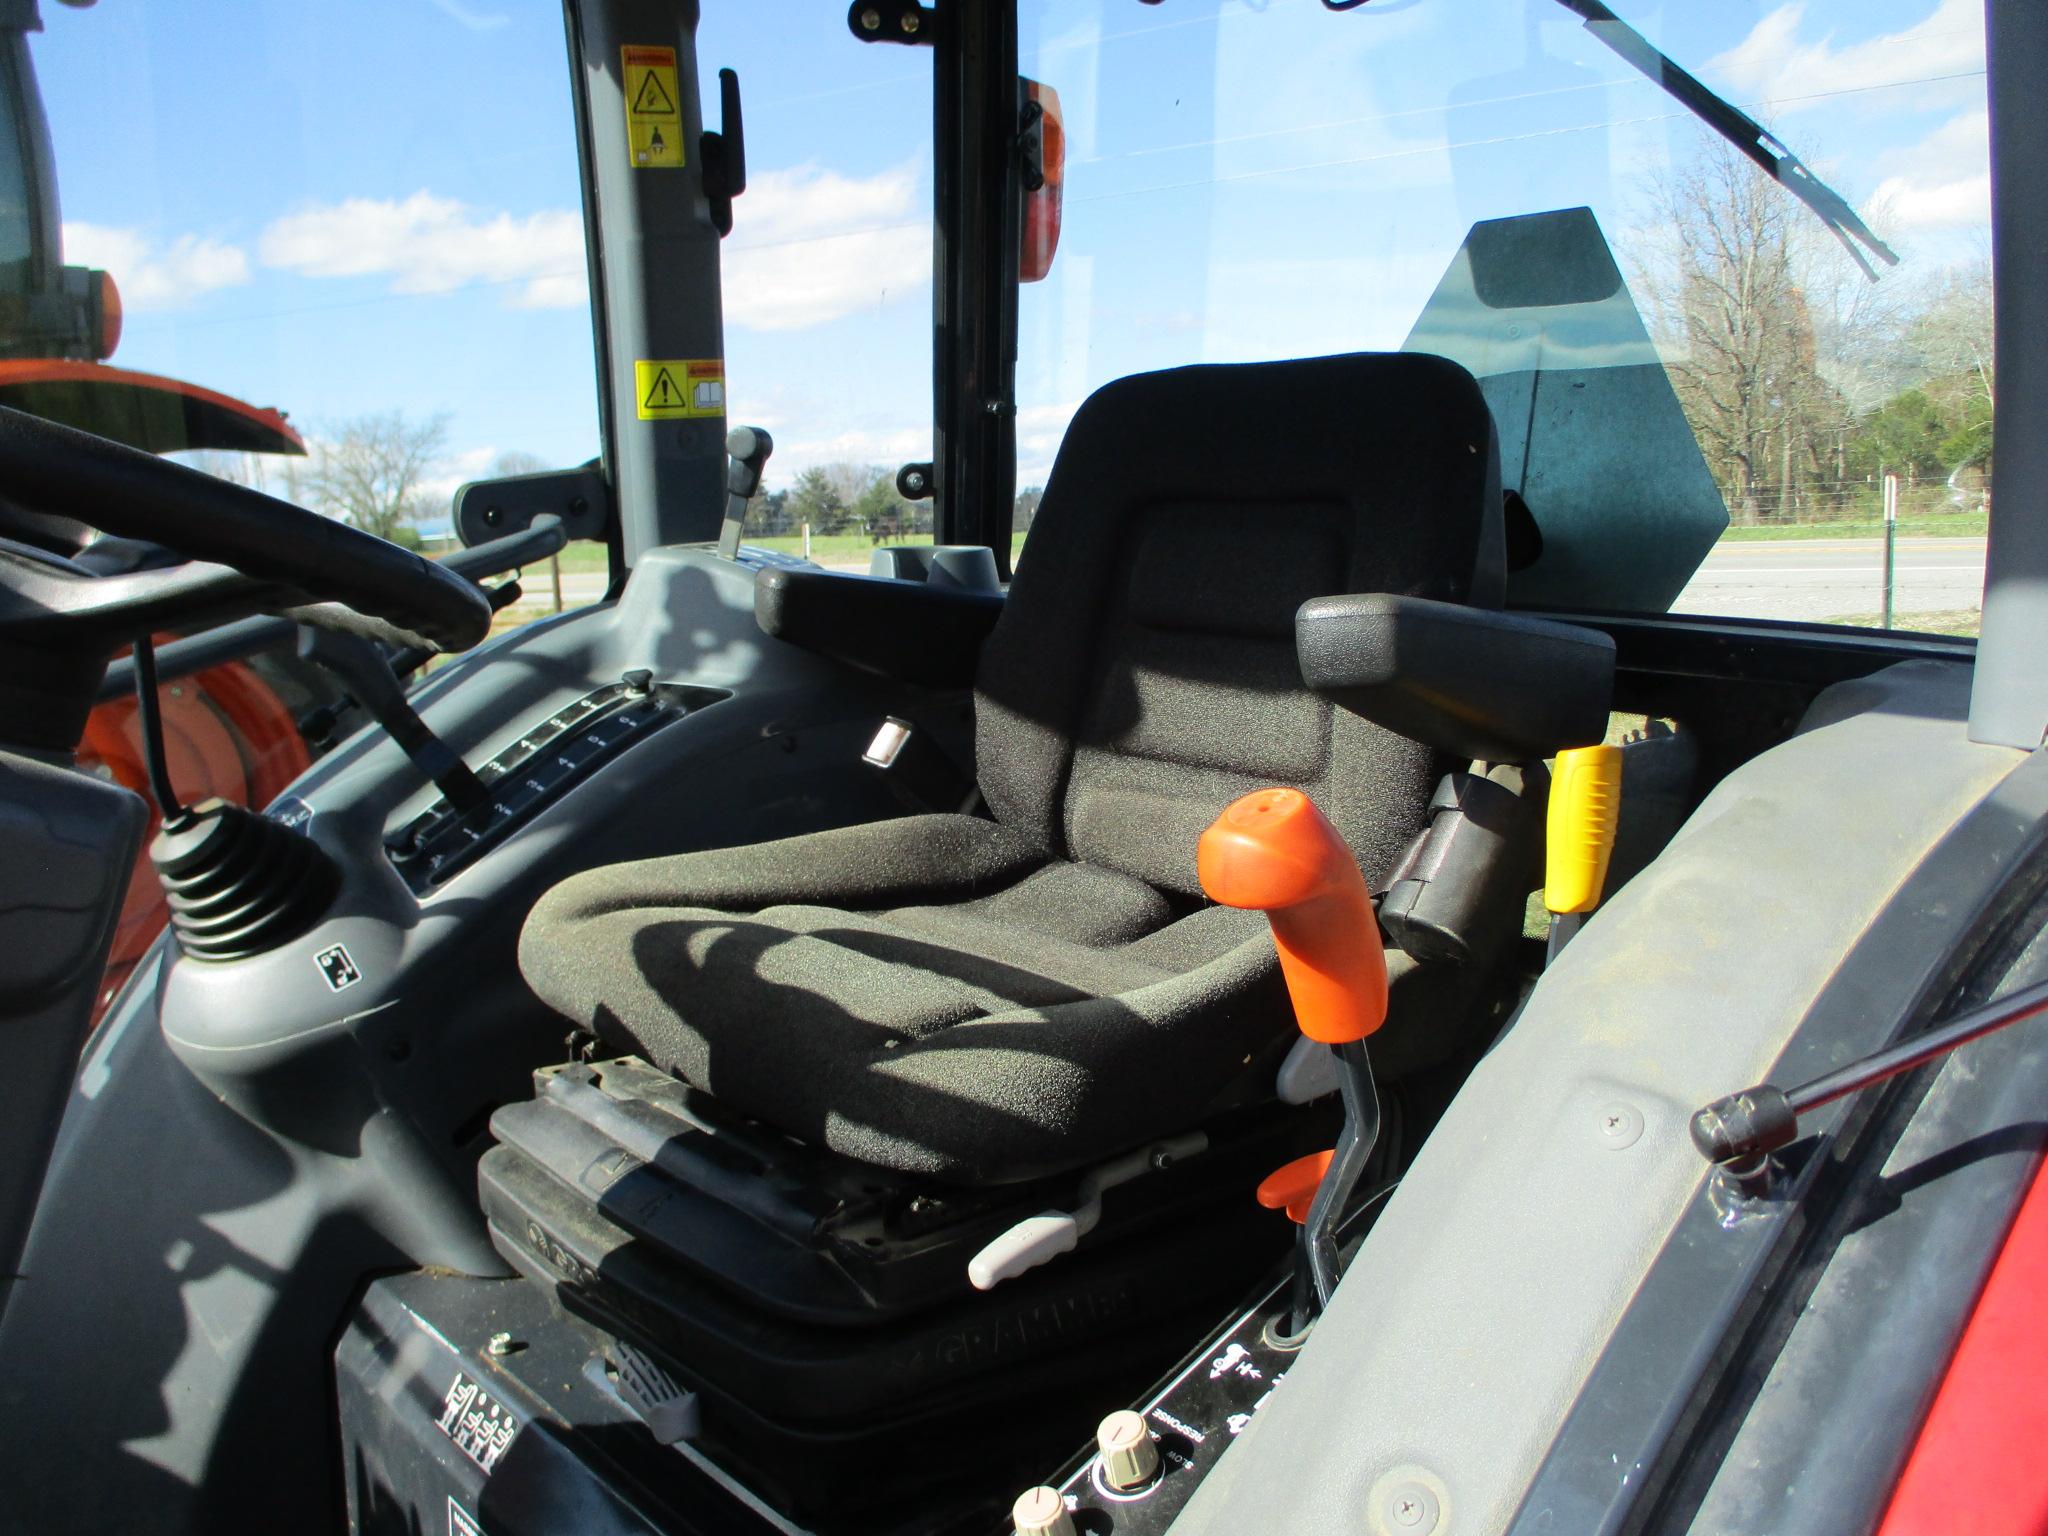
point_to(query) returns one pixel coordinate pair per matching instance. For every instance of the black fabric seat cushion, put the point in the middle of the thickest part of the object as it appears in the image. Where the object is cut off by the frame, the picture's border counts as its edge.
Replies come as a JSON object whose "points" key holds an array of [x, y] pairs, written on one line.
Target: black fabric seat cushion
{"points": [[933, 994], [984, 999]]}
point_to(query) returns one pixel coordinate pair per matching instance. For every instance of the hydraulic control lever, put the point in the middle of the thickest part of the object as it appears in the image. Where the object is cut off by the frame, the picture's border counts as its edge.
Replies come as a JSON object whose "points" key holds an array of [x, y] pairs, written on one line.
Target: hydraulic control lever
{"points": [[1578, 836], [746, 451], [1272, 851], [365, 671]]}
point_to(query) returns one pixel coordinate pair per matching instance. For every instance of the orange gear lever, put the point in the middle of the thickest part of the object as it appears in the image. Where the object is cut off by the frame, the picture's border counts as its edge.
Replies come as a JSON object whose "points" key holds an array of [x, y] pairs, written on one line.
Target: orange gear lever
{"points": [[1273, 851]]}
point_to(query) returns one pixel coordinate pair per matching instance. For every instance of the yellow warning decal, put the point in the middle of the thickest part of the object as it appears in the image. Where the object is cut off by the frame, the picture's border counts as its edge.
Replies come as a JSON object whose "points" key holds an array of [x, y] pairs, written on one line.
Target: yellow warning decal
{"points": [[654, 113], [668, 389]]}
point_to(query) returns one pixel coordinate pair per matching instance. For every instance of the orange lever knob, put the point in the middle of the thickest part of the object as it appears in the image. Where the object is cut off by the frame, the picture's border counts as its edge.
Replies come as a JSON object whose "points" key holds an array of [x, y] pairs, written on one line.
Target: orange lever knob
{"points": [[1272, 851], [1293, 1186]]}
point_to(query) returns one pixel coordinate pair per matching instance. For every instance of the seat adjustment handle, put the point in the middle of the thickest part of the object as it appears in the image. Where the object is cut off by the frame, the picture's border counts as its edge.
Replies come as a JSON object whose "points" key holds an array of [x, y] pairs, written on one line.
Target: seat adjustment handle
{"points": [[1039, 1239]]}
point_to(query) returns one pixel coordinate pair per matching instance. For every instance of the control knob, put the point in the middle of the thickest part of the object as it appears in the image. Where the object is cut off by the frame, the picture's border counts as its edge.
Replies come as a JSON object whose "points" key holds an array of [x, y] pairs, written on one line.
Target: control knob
{"points": [[1130, 1458], [1041, 1512]]}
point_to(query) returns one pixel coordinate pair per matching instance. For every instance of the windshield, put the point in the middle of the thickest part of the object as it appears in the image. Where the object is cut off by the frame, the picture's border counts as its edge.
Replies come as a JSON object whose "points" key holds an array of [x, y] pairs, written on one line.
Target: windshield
{"points": [[371, 224], [1703, 402], [335, 253]]}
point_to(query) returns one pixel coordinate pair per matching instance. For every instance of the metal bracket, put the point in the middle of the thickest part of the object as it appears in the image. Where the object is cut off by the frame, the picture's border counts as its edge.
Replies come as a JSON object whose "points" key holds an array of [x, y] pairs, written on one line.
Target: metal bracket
{"points": [[893, 21], [491, 509]]}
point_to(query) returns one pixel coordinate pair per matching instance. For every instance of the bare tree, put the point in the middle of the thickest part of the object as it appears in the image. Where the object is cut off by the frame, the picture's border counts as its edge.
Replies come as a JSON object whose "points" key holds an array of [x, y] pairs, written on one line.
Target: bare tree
{"points": [[516, 461], [370, 471], [275, 474], [225, 464], [1728, 286], [1951, 338]]}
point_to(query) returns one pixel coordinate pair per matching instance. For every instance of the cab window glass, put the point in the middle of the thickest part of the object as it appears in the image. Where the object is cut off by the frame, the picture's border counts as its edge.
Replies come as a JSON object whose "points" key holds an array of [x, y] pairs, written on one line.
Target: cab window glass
{"points": [[360, 228], [1705, 404], [827, 275]]}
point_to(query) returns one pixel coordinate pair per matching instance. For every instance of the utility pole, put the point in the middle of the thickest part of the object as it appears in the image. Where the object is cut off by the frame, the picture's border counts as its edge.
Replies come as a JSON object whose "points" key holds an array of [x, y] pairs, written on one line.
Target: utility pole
{"points": [[1891, 529], [1785, 477]]}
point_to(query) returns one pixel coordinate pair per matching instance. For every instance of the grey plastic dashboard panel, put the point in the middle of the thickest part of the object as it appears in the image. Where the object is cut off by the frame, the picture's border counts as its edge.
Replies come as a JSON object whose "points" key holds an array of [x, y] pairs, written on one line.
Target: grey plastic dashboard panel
{"points": [[1476, 1310], [245, 1143]]}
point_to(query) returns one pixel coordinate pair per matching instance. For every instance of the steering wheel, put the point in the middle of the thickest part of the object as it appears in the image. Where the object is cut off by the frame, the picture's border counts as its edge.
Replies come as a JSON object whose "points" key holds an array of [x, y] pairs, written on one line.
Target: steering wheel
{"points": [[239, 552]]}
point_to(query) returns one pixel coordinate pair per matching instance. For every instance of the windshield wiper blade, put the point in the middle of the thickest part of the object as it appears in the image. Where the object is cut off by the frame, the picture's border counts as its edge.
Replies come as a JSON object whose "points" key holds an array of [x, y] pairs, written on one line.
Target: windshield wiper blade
{"points": [[1739, 129]]}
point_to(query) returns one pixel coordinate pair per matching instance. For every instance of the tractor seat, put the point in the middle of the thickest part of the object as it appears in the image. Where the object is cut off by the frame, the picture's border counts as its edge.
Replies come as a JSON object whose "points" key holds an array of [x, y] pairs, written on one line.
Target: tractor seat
{"points": [[987, 999]]}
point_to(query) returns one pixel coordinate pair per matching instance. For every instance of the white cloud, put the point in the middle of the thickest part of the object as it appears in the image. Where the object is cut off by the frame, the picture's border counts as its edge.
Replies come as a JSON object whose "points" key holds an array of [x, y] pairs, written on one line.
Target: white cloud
{"points": [[1942, 182], [1961, 204], [1773, 65], [437, 491], [1040, 430], [152, 276], [885, 446], [429, 244], [476, 21], [811, 246]]}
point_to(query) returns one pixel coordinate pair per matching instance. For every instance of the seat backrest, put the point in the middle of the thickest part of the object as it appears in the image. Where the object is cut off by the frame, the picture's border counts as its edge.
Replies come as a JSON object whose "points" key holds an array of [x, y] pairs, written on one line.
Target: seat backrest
{"points": [[1143, 674]]}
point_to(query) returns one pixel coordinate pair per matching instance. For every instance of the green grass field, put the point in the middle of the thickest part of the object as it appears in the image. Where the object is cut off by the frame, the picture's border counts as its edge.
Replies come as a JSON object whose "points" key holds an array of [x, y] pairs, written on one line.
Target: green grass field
{"points": [[1957, 621], [585, 556], [1953, 525], [844, 548]]}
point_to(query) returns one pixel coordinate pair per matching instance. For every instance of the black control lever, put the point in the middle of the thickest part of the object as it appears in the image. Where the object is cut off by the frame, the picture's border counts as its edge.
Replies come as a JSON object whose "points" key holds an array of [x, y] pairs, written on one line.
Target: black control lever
{"points": [[747, 450], [408, 661], [725, 154], [365, 671], [318, 723], [1739, 1133]]}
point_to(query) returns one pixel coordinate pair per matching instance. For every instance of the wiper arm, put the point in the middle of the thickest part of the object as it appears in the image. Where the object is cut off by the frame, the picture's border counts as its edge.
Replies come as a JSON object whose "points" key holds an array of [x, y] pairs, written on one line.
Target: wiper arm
{"points": [[1739, 129]]}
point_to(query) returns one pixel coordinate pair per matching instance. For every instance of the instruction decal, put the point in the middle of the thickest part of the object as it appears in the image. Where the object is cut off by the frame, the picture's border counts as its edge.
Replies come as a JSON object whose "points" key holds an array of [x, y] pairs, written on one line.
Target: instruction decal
{"points": [[670, 389], [341, 972], [478, 1423], [654, 112]]}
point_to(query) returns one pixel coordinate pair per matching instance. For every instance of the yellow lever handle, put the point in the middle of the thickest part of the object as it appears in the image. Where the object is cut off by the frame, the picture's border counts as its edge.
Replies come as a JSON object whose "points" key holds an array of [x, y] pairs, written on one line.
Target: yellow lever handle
{"points": [[1585, 798]]}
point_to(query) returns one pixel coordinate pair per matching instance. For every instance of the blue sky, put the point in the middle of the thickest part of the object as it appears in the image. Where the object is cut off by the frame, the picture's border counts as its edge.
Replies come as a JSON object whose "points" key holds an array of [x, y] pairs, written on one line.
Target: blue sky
{"points": [[340, 206]]}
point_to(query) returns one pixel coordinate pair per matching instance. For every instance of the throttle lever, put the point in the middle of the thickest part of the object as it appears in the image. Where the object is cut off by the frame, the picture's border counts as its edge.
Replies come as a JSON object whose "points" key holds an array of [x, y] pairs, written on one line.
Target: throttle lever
{"points": [[746, 451]]}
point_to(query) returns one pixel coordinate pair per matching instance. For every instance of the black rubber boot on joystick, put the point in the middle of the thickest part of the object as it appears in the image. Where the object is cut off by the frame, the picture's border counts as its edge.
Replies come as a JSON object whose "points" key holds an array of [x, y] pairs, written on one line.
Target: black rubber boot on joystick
{"points": [[239, 883]]}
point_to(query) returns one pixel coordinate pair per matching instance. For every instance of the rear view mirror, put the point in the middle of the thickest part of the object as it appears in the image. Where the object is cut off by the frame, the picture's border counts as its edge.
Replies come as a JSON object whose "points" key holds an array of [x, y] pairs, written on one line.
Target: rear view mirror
{"points": [[1045, 171]]}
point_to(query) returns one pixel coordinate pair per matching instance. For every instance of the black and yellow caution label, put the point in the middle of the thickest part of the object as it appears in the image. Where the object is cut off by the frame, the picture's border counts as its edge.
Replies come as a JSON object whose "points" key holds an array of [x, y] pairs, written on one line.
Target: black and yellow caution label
{"points": [[654, 112], [668, 389]]}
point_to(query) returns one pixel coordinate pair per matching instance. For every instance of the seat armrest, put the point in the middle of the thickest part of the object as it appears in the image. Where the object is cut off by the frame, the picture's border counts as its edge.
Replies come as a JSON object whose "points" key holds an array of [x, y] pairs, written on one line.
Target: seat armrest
{"points": [[904, 630], [1499, 687]]}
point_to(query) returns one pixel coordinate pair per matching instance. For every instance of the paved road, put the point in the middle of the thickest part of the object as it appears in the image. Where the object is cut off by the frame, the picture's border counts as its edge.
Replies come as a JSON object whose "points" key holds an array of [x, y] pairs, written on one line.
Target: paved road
{"points": [[1766, 579], [1834, 578]]}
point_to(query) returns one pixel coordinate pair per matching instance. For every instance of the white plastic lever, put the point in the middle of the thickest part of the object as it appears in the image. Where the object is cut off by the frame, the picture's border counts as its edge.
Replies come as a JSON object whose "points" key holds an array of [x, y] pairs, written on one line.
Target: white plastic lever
{"points": [[1038, 1239]]}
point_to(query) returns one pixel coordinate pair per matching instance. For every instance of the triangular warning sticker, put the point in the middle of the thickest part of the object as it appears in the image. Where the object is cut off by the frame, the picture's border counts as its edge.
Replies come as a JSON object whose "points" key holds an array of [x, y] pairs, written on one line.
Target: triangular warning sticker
{"points": [[651, 100], [662, 393]]}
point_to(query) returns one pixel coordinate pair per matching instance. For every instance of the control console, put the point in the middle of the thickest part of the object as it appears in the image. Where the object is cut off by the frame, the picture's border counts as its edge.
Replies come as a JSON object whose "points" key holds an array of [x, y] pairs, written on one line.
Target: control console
{"points": [[1125, 1487], [547, 761]]}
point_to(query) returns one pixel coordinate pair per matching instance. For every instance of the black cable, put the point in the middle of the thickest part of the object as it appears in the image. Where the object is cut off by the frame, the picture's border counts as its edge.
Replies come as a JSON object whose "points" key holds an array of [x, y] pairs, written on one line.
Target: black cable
{"points": [[150, 721]]}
